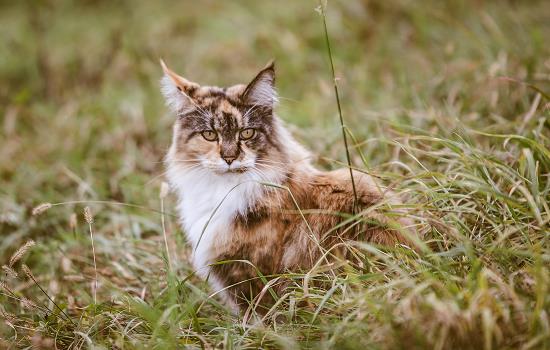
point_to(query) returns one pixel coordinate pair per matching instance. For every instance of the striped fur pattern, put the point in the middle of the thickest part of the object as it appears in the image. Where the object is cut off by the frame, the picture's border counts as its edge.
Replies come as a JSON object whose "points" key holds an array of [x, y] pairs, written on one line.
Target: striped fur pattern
{"points": [[240, 178]]}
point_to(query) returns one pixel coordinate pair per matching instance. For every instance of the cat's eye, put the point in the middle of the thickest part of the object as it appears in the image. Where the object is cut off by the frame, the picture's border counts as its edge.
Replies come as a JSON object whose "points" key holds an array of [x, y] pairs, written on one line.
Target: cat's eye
{"points": [[209, 135], [247, 134]]}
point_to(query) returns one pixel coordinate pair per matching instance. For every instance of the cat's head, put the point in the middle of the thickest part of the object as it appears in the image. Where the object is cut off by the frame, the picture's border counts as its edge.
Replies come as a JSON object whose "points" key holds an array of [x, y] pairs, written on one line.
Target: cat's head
{"points": [[224, 130]]}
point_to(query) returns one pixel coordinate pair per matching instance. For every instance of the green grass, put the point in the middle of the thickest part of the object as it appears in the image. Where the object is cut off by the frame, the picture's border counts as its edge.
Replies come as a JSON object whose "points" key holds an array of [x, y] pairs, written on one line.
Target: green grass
{"points": [[447, 101]]}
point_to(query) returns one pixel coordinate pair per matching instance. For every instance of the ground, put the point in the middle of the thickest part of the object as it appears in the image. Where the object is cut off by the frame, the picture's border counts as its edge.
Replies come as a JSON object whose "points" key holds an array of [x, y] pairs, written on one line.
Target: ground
{"points": [[446, 101]]}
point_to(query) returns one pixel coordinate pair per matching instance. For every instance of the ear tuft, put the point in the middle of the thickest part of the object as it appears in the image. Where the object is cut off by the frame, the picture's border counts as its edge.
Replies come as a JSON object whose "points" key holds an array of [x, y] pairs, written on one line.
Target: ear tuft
{"points": [[261, 90], [177, 91], [175, 100]]}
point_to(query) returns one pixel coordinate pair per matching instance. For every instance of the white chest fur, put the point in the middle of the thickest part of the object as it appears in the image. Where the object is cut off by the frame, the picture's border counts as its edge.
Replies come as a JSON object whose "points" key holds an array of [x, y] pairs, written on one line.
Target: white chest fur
{"points": [[208, 204]]}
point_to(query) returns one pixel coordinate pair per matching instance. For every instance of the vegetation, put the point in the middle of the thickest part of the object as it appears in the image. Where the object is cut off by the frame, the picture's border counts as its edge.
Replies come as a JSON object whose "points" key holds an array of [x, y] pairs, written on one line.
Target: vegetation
{"points": [[447, 101]]}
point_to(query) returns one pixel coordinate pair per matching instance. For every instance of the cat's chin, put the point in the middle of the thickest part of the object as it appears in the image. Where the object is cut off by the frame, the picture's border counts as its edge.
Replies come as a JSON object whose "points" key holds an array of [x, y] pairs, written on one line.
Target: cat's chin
{"points": [[231, 171]]}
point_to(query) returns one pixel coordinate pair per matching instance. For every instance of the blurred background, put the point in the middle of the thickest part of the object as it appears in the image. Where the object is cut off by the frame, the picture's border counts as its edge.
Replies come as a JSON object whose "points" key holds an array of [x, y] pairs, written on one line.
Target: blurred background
{"points": [[82, 117]]}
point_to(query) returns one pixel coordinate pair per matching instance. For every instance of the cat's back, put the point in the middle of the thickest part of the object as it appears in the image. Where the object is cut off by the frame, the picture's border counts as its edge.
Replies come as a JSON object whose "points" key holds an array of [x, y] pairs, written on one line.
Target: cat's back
{"points": [[386, 219], [334, 190]]}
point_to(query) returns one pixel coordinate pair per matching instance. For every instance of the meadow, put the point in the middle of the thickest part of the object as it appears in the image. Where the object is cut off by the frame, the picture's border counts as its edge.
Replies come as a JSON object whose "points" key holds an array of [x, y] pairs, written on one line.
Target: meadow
{"points": [[446, 101]]}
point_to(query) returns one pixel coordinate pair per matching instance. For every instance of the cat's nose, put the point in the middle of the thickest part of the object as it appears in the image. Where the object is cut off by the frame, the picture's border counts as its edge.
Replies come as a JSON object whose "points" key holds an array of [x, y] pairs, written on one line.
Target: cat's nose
{"points": [[229, 159]]}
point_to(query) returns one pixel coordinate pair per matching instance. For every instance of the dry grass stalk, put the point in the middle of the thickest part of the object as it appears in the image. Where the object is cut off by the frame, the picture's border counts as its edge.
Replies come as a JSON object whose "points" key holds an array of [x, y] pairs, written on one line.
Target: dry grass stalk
{"points": [[8, 317], [164, 189], [4, 287], [90, 220], [29, 274], [163, 193], [20, 252], [73, 221], [74, 278]]}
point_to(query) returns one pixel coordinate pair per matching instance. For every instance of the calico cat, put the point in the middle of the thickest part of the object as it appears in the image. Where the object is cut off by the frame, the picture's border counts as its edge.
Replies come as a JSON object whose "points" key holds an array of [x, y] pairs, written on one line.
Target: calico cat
{"points": [[248, 194]]}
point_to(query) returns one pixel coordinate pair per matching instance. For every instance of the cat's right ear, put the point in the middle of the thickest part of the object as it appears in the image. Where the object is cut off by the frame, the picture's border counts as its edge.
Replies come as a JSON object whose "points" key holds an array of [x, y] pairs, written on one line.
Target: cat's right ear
{"points": [[177, 91]]}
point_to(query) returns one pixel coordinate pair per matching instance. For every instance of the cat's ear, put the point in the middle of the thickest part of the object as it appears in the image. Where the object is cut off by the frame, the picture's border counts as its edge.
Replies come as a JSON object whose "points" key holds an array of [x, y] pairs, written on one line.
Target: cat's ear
{"points": [[177, 90], [261, 90]]}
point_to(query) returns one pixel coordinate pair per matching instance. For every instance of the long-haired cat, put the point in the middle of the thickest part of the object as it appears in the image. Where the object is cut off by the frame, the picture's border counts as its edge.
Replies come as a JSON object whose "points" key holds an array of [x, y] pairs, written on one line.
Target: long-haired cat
{"points": [[250, 201]]}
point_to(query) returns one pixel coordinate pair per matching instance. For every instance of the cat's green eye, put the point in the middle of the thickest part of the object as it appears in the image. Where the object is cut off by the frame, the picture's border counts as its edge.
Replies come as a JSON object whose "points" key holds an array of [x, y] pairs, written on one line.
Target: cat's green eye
{"points": [[247, 134], [209, 135]]}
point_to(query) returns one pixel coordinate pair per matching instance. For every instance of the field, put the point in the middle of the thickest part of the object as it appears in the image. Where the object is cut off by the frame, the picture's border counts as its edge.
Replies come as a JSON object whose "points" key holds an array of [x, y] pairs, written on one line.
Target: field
{"points": [[445, 101]]}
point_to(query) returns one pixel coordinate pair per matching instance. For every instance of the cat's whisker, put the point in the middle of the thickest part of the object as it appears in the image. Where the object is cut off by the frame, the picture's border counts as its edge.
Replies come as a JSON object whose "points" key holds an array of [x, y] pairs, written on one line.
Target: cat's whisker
{"points": [[187, 160], [278, 167], [298, 176], [271, 189], [282, 171], [263, 179], [282, 168], [155, 178], [272, 161], [166, 171], [283, 163], [192, 101]]}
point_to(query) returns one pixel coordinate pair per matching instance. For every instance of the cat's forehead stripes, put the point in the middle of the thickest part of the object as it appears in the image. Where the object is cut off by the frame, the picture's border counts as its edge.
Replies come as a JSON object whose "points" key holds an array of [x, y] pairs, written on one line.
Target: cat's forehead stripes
{"points": [[220, 104], [206, 96], [225, 107], [207, 91]]}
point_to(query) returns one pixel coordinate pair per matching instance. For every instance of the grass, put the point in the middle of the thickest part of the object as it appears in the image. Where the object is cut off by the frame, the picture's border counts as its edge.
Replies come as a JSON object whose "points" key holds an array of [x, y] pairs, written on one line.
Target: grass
{"points": [[446, 101]]}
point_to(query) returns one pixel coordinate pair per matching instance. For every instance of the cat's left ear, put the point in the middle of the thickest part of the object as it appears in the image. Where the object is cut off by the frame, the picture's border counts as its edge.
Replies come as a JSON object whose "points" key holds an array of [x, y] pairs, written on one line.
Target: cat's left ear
{"points": [[261, 90], [177, 90]]}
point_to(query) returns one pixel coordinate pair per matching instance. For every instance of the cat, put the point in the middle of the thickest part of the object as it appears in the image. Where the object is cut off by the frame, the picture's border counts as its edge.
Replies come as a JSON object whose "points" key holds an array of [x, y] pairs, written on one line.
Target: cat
{"points": [[249, 199]]}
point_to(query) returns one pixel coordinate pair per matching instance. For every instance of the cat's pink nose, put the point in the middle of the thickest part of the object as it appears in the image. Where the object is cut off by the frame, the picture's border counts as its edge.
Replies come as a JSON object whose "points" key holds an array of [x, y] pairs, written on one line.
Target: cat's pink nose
{"points": [[229, 159]]}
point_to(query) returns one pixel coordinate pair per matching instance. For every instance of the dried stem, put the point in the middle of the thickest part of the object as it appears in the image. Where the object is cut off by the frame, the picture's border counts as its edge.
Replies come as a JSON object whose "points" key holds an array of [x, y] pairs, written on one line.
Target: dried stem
{"points": [[342, 125], [164, 193], [29, 274], [90, 220]]}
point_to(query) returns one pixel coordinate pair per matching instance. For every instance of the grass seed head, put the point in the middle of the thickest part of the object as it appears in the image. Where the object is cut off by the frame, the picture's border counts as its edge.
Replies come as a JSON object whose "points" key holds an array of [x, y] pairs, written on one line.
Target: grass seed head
{"points": [[88, 215], [20, 252], [41, 208], [4, 287], [27, 271], [28, 304], [9, 271]]}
